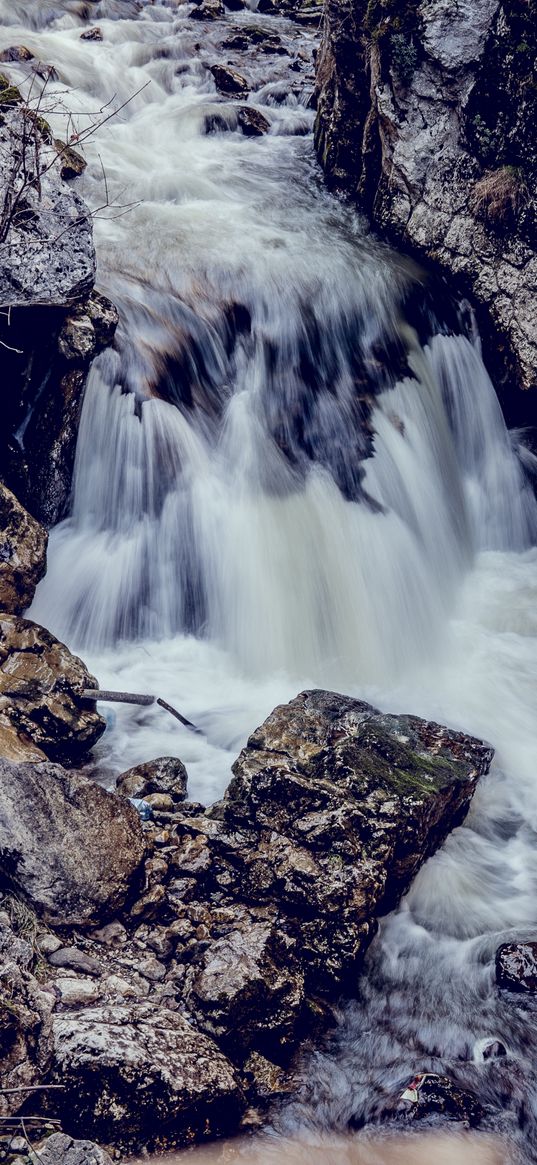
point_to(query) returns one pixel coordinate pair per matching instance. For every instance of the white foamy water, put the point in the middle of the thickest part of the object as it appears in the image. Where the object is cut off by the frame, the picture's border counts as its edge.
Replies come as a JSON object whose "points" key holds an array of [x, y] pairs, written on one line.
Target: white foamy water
{"points": [[231, 543]]}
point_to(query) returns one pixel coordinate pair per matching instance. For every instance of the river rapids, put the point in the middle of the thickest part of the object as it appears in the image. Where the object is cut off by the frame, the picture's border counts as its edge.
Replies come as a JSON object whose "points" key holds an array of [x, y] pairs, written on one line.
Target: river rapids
{"points": [[293, 471]]}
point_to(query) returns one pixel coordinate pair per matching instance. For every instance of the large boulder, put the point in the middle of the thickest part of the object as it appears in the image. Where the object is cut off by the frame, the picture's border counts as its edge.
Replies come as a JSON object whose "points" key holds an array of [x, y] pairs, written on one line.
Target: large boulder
{"points": [[40, 710], [23, 553], [135, 1073], [339, 805], [71, 849]]}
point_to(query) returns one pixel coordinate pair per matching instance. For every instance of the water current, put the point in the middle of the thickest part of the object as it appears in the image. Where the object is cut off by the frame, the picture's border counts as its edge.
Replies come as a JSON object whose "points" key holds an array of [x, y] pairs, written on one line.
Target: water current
{"points": [[293, 471]]}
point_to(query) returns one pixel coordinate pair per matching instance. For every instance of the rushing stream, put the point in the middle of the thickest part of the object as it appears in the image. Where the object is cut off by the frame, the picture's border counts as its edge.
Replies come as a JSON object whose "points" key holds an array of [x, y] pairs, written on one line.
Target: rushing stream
{"points": [[292, 471]]}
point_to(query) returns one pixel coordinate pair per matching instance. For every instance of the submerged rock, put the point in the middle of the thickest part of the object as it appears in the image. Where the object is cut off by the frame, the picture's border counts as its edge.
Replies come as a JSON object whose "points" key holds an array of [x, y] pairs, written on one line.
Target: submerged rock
{"points": [[429, 1095], [23, 554], [516, 967], [40, 708], [208, 10], [135, 1073], [71, 849]]}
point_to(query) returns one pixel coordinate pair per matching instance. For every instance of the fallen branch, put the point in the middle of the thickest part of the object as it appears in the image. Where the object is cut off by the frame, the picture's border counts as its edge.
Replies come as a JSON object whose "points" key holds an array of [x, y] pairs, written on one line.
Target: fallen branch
{"points": [[95, 694]]}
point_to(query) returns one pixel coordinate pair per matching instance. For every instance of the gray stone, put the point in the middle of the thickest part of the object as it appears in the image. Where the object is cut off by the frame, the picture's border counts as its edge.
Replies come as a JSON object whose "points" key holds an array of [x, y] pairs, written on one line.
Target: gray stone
{"points": [[54, 262], [75, 959], [165, 775], [69, 847], [63, 1150]]}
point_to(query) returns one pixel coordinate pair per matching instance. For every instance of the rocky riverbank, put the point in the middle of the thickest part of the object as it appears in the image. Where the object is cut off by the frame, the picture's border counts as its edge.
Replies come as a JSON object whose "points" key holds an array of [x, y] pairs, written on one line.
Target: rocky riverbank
{"points": [[162, 976], [426, 116]]}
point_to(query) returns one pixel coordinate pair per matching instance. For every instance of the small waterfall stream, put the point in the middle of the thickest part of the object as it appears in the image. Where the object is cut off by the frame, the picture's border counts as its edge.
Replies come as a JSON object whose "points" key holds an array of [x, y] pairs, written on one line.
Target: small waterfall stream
{"points": [[293, 470]]}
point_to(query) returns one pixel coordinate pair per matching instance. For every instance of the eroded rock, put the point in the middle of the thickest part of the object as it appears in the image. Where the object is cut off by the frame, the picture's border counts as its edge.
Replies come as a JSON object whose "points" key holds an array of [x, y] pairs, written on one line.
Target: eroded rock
{"points": [[23, 554], [228, 81], [166, 775], [71, 849], [40, 708], [63, 1150]]}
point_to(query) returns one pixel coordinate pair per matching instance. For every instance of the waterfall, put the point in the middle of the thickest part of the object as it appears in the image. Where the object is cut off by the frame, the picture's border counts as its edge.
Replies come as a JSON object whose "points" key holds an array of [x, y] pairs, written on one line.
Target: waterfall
{"points": [[291, 470]]}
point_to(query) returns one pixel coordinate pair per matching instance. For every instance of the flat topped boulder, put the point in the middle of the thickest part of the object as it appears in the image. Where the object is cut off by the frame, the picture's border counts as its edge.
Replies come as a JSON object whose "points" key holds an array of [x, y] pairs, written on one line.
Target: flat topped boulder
{"points": [[68, 847]]}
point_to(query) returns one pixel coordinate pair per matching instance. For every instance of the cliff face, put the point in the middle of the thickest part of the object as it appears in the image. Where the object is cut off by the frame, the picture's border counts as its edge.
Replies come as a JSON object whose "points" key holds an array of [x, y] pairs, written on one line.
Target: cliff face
{"points": [[427, 115]]}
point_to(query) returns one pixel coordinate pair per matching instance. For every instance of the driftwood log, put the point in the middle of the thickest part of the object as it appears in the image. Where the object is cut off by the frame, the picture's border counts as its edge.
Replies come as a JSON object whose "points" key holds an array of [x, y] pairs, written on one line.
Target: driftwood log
{"points": [[95, 694]]}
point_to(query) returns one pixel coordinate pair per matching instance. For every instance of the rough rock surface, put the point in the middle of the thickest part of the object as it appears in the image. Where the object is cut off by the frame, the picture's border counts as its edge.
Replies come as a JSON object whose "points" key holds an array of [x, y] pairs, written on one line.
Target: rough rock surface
{"points": [[134, 1074], [62, 1150], [25, 1019], [23, 554], [165, 775], [516, 967], [426, 115], [40, 711], [69, 848], [46, 239]]}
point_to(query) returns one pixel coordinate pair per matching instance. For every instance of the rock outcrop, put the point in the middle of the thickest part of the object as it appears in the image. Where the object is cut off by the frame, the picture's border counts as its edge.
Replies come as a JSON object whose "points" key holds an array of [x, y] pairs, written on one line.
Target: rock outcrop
{"points": [[23, 554], [52, 322], [62, 1150], [426, 115], [41, 714], [68, 847]]}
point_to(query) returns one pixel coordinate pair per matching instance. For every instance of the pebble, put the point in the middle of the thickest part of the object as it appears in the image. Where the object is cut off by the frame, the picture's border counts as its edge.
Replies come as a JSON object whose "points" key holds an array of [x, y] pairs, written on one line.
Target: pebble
{"points": [[151, 969], [48, 944]]}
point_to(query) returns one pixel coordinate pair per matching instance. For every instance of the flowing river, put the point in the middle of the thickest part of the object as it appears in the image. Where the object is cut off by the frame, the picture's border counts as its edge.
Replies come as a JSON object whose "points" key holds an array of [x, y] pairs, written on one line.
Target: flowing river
{"points": [[293, 471]]}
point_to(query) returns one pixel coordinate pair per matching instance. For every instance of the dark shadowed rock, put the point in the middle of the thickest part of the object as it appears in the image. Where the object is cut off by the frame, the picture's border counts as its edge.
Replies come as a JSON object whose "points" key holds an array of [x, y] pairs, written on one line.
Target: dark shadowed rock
{"points": [[135, 1073], [23, 554], [167, 774], [71, 849], [92, 34], [516, 967], [39, 703], [25, 1020], [71, 163], [429, 1095], [252, 122], [228, 81], [63, 1150]]}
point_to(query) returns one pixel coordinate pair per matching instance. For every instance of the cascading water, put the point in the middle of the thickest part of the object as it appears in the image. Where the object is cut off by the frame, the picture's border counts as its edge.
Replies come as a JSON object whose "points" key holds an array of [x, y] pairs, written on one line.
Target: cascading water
{"points": [[288, 474]]}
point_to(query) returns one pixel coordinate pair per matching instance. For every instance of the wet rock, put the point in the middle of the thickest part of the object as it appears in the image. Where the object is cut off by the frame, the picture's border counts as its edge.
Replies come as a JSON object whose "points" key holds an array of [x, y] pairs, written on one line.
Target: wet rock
{"points": [[17, 54], [23, 554], [252, 122], [61, 269], [516, 967], [92, 34], [63, 1150], [40, 709], [340, 805], [254, 36], [69, 848], [166, 775], [135, 1072], [208, 10], [423, 117], [228, 81], [428, 1095]]}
